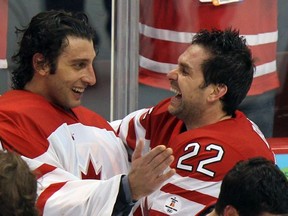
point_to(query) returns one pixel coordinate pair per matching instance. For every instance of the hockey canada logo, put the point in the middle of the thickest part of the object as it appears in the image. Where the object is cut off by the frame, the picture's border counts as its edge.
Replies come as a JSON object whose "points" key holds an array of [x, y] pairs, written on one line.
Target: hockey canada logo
{"points": [[172, 205]]}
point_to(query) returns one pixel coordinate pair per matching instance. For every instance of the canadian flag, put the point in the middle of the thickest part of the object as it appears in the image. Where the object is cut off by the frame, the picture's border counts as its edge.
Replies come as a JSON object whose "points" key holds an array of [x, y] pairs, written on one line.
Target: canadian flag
{"points": [[3, 32], [167, 27]]}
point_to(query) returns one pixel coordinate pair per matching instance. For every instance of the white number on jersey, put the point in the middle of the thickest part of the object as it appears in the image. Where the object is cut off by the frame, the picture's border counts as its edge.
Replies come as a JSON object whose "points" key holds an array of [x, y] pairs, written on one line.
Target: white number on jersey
{"points": [[193, 150]]}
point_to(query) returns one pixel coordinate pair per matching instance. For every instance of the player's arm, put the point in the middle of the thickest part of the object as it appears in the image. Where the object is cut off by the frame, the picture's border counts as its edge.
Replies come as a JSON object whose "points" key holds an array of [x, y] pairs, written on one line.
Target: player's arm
{"points": [[146, 175], [131, 129]]}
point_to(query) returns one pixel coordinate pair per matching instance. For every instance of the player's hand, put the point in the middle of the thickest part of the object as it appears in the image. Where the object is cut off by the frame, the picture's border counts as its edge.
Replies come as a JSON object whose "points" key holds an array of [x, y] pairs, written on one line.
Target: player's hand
{"points": [[147, 172]]}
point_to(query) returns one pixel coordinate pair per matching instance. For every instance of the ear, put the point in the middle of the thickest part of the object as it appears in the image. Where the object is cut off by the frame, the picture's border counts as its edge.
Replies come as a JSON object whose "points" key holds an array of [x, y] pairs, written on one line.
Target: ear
{"points": [[217, 91], [39, 64], [230, 211]]}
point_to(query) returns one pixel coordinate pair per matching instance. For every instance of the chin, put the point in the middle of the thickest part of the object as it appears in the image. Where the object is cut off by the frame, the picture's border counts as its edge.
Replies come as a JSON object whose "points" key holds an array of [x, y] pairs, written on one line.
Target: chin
{"points": [[172, 110], [73, 105]]}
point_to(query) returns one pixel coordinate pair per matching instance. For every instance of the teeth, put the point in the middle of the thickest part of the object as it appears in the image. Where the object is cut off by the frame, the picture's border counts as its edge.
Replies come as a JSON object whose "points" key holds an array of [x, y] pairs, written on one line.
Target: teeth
{"points": [[78, 90], [175, 91]]}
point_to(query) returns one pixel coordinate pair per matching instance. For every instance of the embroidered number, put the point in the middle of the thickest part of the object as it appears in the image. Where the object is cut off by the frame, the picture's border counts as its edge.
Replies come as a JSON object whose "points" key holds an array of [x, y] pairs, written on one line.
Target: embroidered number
{"points": [[194, 149]]}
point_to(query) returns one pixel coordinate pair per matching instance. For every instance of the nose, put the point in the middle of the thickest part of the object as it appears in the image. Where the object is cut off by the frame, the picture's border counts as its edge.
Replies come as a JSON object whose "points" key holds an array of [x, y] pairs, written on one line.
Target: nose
{"points": [[89, 76], [173, 74]]}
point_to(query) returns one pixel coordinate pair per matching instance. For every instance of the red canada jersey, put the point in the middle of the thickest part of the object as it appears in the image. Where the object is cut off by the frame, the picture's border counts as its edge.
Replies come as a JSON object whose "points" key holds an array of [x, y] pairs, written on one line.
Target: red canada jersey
{"points": [[202, 156], [63, 148]]}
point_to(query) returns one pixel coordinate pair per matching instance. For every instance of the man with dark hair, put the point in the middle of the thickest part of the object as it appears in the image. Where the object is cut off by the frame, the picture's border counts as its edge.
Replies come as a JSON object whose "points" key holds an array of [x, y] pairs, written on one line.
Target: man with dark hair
{"points": [[254, 187], [166, 28], [200, 123], [81, 164], [18, 186]]}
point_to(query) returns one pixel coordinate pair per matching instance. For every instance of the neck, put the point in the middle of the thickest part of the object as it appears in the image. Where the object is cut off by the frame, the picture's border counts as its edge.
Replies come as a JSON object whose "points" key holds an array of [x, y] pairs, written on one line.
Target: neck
{"points": [[208, 120]]}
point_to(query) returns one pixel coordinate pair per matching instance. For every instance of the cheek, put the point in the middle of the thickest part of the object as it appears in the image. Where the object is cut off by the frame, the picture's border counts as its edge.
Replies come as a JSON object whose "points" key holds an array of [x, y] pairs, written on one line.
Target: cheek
{"points": [[57, 87], [66, 74], [65, 79], [58, 92], [189, 89], [56, 82], [195, 95]]}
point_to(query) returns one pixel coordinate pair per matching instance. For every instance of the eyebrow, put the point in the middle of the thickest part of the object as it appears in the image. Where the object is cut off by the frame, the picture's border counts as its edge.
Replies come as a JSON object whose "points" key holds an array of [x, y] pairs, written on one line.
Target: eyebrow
{"points": [[184, 64], [81, 60], [187, 66]]}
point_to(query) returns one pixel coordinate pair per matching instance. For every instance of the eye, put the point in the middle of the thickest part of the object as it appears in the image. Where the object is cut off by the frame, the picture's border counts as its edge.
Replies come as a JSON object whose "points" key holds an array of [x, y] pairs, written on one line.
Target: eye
{"points": [[80, 65], [184, 70]]}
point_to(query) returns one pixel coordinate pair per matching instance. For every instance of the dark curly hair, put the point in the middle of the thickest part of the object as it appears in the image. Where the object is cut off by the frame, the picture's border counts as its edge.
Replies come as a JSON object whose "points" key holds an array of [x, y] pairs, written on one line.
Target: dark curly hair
{"points": [[231, 64], [47, 34], [18, 186]]}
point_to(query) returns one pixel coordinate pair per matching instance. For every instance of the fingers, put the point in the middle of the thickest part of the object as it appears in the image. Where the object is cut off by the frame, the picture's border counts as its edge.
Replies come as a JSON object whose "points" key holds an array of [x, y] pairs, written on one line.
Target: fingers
{"points": [[157, 154], [147, 173], [159, 159], [138, 150], [162, 178], [162, 161]]}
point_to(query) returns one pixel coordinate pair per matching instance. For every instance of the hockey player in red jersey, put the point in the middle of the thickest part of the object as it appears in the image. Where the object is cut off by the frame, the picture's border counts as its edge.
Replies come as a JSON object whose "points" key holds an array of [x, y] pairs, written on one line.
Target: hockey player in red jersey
{"points": [[200, 123], [166, 29], [81, 165]]}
